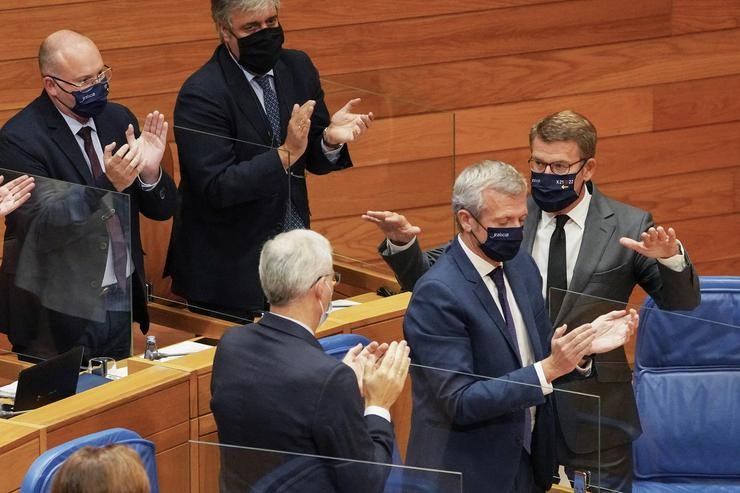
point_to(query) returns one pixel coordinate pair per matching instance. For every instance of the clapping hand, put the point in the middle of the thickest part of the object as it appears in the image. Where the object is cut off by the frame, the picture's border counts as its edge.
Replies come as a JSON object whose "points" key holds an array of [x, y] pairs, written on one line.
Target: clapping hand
{"points": [[656, 242], [358, 355], [151, 145], [613, 330], [15, 193], [347, 126]]}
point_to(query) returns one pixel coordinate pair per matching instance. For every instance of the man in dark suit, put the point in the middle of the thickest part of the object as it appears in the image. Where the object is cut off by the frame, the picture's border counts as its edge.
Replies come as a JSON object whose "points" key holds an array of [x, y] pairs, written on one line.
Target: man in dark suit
{"points": [[274, 388], [248, 125], [600, 261], [479, 313], [73, 263]]}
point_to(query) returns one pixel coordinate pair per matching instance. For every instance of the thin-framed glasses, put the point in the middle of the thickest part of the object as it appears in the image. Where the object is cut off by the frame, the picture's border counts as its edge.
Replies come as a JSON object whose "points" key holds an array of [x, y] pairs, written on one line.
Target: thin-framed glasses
{"points": [[336, 278], [87, 84], [558, 167]]}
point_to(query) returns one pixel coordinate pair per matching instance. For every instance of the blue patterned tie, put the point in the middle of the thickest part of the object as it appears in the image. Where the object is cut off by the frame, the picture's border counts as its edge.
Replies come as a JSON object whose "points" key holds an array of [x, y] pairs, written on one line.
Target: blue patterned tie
{"points": [[292, 220], [498, 280]]}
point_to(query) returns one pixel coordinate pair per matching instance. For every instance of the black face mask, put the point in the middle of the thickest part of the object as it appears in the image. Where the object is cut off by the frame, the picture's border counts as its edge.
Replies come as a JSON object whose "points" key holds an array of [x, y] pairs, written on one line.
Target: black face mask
{"points": [[91, 102], [554, 192], [259, 52], [501, 244]]}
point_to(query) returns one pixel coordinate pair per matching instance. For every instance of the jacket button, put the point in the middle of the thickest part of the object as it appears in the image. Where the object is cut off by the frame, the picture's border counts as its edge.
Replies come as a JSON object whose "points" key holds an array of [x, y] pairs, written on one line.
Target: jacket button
{"points": [[94, 284], [103, 245]]}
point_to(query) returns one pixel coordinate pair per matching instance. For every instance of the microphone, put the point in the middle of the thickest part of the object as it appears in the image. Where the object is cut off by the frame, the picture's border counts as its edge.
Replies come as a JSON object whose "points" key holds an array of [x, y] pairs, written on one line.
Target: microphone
{"points": [[10, 414]]}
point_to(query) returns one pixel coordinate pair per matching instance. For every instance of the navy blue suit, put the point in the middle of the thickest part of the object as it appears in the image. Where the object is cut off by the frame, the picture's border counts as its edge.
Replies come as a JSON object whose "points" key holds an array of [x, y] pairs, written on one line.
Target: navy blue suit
{"points": [[465, 423], [274, 387]]}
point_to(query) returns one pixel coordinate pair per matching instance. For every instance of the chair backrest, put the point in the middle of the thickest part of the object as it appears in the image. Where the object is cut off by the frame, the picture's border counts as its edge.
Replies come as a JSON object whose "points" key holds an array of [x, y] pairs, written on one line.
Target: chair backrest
{"points": [[338, 344], [687, 386], [40, 475]]}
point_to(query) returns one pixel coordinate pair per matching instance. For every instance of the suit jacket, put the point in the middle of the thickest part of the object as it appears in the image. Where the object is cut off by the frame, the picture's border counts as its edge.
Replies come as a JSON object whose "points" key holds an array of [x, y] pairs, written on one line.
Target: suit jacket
{"points": [[273, 387], [604, 270], [234, 191], [467, 423], [37, 141]]}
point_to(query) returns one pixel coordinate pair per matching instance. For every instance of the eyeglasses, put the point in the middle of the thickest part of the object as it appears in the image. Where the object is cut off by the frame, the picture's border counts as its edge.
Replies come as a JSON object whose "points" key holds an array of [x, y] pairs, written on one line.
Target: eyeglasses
{"points": [[337, 277], [258, 26], [558, 167], [87, 84]]}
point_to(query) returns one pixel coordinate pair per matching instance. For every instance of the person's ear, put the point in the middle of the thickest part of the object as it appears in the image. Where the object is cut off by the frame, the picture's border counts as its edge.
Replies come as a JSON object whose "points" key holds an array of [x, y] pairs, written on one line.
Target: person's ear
{"points": [[589, 169], [465, 219]]}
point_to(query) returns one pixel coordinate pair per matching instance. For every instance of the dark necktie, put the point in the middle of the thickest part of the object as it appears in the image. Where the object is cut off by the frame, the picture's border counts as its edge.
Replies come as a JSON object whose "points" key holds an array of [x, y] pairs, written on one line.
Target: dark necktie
{"points": [[498, 280], [272, 110], [557, 274], [113, 224]]}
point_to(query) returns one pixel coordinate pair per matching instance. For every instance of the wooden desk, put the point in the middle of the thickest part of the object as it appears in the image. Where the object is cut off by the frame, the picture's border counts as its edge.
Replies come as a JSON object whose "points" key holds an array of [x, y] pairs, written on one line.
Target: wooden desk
{"points": [[19, 446], [154, 402]]}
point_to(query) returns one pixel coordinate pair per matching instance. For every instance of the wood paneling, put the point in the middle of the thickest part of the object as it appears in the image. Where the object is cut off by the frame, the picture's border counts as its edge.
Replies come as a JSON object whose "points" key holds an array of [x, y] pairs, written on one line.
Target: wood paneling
{"points": [[698, 102], [707, 15]]}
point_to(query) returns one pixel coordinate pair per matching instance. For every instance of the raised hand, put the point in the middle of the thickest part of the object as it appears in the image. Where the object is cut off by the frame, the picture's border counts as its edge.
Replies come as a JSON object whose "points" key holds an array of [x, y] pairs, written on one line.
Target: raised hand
{"points": [[356, 357], [15, 193], [394, 226], [613, 330], [656, 242], [347, 126], [567, 350], [151, 144], [296, 140], [384, 379], [122, 167]]}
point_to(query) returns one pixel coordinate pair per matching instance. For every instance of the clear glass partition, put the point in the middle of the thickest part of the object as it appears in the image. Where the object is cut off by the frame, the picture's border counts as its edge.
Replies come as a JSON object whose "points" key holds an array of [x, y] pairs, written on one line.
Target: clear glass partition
{"points": [[258, 470], [69, 272]]}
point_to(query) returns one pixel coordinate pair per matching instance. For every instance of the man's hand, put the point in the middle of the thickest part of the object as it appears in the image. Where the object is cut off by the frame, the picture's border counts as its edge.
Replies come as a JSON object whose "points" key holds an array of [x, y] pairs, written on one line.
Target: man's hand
{"points": [[15, 193], [613, 330], [567, 350], [654, 243], [383, 380], [394, 226], [346, 126], [122, 167], [296, 140], [151, 143], [355, 359]]}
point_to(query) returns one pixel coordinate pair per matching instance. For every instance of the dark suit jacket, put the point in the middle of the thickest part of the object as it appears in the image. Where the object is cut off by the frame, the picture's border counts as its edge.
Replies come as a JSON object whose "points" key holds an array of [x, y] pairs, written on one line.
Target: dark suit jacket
{"points": [[37, 141], [234, 191], [604, 269], [465, 423], [274, 387]]}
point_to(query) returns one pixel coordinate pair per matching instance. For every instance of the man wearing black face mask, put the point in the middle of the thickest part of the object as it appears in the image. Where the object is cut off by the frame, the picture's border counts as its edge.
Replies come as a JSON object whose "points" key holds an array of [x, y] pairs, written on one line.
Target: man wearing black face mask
{"points": [[87, 270], [479, 311], [249, 124], [593, 253]]}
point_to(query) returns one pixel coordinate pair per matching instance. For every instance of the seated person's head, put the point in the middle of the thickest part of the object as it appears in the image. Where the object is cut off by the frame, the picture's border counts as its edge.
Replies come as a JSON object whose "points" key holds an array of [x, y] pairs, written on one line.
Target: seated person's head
{"points": [[109, 469]]}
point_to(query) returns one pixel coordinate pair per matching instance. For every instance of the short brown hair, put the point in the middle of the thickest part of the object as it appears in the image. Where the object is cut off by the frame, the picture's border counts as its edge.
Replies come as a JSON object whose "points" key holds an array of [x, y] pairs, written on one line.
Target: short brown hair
{"points": [[566, 125], [109, 469]]}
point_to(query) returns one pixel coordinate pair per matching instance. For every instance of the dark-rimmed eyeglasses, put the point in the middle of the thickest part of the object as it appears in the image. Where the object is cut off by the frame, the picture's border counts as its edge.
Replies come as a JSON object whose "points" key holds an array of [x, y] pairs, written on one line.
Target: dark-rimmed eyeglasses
{"points": [[87, 84], [558, 167]]}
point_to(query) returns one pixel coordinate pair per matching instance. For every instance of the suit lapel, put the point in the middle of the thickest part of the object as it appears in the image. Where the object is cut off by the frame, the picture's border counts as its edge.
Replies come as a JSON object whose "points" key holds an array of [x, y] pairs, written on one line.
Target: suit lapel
{"points": [[243, 94], [598, 233], [516, 282], [67, 143], [530, 225], [482, 293]]}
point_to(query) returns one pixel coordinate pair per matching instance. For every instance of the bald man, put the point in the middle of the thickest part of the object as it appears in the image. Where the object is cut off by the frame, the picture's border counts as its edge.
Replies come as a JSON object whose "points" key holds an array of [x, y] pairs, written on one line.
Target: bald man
{"points": [[73, 268]]}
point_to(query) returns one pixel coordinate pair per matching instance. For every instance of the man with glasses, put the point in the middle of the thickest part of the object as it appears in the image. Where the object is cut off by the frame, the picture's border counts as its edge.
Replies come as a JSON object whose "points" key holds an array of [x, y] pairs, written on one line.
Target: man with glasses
{"points": [[582, 242], [82, 267], [249, 124], [273, 387]]}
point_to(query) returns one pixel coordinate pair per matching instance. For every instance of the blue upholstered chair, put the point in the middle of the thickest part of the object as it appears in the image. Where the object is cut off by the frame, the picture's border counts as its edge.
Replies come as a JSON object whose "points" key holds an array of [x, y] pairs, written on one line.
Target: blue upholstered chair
{"points": [[40, 475], [687, 385]]}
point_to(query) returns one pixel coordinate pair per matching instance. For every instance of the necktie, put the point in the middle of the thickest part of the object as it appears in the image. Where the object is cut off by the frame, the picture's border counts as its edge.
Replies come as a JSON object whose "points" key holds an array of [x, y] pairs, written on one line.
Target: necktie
{"points": [[557, 276], [113, 224], [498, 280], [272, 110]]}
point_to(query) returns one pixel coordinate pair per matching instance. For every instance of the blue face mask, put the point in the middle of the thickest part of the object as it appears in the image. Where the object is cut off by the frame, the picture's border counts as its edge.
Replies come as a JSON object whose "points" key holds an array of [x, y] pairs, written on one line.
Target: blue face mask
{"points": [[501, 244], [91, 103], [554, 192]]}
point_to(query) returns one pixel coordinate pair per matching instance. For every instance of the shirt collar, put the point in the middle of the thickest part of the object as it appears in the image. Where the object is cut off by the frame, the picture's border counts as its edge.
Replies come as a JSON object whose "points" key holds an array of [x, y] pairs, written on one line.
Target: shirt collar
{"points": [[75, 126], [577, 214], [483, 267]]}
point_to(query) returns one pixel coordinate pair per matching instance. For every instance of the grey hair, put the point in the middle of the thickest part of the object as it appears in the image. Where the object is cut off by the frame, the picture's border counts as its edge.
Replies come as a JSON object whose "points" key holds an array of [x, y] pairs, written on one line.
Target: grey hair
{"points": [[290, 264], [221, 9], [486, 175]]}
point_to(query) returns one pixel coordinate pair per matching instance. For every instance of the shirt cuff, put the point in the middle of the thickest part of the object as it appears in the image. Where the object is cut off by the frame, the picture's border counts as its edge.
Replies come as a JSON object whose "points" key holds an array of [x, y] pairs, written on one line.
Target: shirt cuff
{"points": [[150, 186], [677, 263], [378, 411], [544, 385], [331, 154], [393, 248]]}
